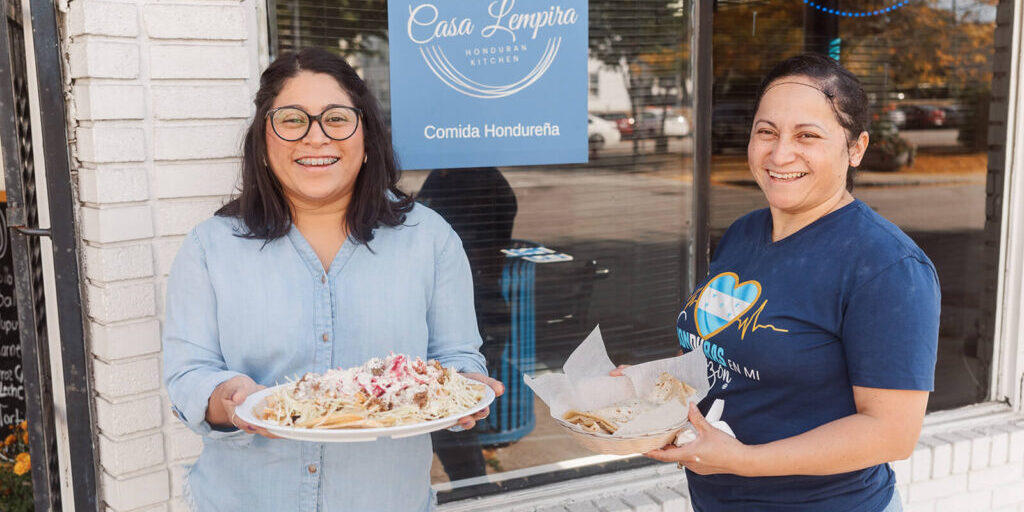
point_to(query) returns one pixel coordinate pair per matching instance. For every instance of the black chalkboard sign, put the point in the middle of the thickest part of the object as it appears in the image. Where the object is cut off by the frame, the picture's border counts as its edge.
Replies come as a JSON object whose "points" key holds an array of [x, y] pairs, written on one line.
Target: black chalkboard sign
{"points": [[12, 387]]}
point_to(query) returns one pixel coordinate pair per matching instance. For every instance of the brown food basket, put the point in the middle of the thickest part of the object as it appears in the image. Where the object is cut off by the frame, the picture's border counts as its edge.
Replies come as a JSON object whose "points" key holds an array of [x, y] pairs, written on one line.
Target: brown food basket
{"points": [[608, 444]]}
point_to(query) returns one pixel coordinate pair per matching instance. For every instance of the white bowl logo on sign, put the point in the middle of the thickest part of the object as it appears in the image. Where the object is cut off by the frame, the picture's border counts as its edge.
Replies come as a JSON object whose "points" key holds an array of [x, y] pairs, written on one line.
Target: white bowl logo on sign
{"points": [[507, 39]]}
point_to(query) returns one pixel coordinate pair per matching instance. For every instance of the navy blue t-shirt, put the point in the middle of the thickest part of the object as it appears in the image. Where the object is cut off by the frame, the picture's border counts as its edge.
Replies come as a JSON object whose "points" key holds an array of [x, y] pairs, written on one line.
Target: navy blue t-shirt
{"points": [[789, 326]]}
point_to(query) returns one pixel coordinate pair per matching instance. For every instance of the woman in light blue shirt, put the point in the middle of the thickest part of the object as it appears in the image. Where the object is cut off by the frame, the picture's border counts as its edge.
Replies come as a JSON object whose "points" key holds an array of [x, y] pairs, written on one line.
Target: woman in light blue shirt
{"points": [[320, 262]]}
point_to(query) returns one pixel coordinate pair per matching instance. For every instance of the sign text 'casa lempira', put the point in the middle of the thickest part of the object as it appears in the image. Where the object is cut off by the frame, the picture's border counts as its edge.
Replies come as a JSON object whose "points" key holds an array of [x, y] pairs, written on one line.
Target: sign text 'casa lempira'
{"points": [[478, 83]]}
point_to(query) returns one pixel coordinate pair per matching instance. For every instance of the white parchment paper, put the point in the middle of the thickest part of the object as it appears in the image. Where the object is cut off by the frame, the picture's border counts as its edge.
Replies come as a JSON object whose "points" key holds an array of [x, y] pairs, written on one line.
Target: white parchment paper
{"points": [[585, 385]]}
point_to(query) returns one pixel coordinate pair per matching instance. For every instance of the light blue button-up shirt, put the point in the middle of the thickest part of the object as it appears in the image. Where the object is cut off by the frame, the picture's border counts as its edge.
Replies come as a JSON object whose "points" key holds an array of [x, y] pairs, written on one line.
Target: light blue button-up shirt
{"points": [[237, 306]]}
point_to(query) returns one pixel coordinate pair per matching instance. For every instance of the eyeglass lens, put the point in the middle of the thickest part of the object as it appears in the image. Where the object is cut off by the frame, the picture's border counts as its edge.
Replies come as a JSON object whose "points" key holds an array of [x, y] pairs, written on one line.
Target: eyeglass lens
{"points": [[293, 124]]}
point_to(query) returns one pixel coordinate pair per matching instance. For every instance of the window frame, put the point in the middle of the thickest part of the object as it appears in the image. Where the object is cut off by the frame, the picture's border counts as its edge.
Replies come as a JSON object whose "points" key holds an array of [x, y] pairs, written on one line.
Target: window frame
{"points": [[1006, 390]]}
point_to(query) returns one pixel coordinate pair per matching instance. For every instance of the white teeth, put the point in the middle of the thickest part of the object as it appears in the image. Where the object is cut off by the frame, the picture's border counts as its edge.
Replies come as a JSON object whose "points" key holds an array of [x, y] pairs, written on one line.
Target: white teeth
{"points": [[786, 175], [317, 161]]}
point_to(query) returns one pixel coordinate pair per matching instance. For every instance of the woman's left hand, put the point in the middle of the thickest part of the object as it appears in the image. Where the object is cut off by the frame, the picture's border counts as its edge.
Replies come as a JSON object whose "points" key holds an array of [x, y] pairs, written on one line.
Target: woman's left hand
{"points": [[468, 422], [712, 452]]}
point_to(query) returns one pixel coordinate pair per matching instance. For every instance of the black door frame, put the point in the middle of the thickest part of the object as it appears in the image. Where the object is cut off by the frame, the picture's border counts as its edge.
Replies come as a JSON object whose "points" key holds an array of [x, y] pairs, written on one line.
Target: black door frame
{"points": [[24, 230]]}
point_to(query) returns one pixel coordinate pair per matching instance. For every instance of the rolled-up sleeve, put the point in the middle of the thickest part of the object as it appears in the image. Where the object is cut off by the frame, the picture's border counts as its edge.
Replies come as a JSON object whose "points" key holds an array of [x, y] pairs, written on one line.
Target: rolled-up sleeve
{"points": [[193, 363], [454, 338]]}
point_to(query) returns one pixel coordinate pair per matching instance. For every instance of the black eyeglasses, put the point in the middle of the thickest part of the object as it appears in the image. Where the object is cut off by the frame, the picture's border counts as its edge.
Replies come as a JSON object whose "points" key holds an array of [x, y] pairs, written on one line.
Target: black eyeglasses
{"points": [[338, 122]]}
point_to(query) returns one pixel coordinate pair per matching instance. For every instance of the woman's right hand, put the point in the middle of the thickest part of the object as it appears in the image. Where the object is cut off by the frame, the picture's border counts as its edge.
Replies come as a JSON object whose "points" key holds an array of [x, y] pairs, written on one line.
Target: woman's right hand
{"points": [[220, 410], [617, 372]]}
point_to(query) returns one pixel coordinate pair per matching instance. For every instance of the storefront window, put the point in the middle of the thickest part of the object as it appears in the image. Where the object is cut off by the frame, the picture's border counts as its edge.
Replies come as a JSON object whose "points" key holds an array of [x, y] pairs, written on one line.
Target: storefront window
{"points": [[617, 227], [927, 68]]}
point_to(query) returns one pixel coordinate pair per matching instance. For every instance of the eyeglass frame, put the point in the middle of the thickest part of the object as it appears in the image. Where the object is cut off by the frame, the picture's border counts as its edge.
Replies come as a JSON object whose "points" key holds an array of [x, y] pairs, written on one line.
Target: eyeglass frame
{"points": [[311, 118]]}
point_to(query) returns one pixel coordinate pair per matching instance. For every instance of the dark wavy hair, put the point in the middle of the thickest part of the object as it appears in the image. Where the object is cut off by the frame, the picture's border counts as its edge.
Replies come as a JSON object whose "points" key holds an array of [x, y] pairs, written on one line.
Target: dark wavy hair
{"points": [[376, 199], [840, 86]]}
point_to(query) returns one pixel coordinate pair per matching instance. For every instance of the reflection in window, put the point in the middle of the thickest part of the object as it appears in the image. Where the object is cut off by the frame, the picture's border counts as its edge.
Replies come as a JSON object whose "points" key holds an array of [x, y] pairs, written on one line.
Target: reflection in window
{"points": [[614, 229], [927, 68]]}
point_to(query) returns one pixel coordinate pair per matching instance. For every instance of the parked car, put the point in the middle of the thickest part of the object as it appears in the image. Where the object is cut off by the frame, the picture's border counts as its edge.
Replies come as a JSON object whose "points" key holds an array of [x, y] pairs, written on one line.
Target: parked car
{"points": [[730, 125], [676, 125], [623, 121], [601, 133], [650, 123], [923, 116], [956, 115], [897, 117]]}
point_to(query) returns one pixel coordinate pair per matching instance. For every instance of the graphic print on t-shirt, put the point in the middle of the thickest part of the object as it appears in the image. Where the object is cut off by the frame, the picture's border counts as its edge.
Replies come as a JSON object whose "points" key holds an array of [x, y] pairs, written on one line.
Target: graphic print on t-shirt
{"points": [[723, 302]]}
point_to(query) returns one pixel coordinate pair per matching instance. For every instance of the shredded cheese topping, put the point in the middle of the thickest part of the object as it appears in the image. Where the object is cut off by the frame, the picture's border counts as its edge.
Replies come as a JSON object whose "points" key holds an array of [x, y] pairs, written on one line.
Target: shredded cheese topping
{"points": [[385, 392]]}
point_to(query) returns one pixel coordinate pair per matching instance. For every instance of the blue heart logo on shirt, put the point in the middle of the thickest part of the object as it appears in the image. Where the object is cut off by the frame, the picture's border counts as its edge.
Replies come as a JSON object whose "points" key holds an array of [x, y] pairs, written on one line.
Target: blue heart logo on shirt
{"points": [[723, 300]]}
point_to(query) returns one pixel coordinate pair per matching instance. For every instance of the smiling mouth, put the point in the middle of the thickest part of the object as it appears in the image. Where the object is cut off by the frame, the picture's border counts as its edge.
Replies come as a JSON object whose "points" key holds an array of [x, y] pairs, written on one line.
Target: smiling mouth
{"points": [[786, 176], [317, 162]]}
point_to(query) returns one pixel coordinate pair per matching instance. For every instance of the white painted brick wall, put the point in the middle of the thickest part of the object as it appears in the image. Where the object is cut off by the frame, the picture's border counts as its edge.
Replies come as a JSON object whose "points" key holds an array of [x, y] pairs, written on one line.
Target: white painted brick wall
{"points": [[201, 101], [165, 250], [106, 142], [190, 21], [196, 179], [94, 58], [118, 262], [132, 492], [103, 18], [117, 302], [109, 185], [104, 101], [160, 95], [189, 61], [198, 141], [178, 217], [116, 223], [130, 455], [122, 379], [125, 417], [182, 443], [122, 340]]}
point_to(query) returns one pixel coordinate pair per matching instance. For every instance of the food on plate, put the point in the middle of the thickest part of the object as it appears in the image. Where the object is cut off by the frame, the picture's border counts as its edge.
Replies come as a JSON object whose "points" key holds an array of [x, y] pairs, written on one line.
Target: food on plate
{"points": [[607, 420], [395, 390]]}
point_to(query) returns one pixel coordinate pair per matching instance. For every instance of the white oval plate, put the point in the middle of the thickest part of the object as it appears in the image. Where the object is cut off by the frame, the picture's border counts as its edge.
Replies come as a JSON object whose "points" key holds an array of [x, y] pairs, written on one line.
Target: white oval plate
{"points": [[255, 401]]}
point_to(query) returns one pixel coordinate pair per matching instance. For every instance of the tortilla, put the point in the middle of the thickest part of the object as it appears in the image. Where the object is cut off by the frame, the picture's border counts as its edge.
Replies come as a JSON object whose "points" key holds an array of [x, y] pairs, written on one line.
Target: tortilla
{"points": [[608, 419], [590, 422]]}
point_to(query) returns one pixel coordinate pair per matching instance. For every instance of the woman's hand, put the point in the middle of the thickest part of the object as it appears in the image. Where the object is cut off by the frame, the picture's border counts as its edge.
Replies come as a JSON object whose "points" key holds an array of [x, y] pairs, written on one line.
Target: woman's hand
{"points": [[617, 372], [712, 452], [220, 410], [468, 422]]}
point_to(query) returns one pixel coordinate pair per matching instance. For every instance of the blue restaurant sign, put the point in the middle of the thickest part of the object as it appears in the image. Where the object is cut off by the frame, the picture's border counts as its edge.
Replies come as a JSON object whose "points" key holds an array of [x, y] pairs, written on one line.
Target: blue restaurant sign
{"points": [[477, 83]]}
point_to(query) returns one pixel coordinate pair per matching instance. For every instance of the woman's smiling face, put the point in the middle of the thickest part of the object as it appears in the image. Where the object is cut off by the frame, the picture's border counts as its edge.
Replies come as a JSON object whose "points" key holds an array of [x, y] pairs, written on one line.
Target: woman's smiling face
{"points": [[798, 152], [315, 171]]}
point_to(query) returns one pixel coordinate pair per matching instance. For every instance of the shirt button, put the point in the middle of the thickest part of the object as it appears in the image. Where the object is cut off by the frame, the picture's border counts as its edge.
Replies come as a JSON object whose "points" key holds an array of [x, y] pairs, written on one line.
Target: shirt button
{"points": [[324, 337], [312, 468], [323, 279]]}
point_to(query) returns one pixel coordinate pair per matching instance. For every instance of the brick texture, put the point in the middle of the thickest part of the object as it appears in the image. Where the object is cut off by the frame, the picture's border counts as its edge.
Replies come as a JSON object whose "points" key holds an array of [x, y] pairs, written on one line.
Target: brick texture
{"points": [[160, 95]]}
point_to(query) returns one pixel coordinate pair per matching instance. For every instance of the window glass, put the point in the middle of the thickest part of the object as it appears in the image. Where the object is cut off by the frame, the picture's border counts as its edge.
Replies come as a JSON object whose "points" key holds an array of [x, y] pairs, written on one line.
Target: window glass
{"points": [[927, 69], [620, 222]]}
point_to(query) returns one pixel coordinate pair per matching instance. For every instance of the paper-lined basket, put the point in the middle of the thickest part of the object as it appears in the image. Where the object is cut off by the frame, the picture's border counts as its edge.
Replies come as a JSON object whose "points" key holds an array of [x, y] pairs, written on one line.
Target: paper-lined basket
{"points": [[584, 385]]}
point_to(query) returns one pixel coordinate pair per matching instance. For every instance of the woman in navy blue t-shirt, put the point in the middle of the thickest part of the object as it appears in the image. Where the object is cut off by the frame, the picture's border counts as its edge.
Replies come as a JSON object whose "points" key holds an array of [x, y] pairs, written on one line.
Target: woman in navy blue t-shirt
{"points": [[819, 319]]}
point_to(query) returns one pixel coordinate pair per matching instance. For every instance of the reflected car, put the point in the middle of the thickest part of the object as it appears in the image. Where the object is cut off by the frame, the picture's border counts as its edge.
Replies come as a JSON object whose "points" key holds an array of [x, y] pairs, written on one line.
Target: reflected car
{"points": [[650, 123], [730, 125], [676, 125], [956, 115], [924, 116], [600, 133], [623, 121], [897, 117]]}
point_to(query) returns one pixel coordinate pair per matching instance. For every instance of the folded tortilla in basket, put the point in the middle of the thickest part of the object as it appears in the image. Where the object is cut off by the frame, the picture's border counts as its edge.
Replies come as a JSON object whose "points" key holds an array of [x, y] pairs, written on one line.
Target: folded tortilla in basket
{"points": [[606, 420]]}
